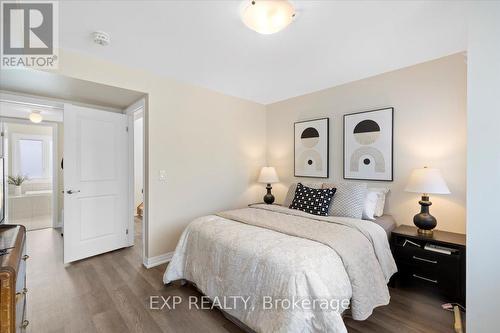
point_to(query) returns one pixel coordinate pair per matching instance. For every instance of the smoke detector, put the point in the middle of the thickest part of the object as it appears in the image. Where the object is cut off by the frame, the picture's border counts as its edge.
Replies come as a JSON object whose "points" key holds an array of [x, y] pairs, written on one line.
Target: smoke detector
{"points": [[101, 38]]}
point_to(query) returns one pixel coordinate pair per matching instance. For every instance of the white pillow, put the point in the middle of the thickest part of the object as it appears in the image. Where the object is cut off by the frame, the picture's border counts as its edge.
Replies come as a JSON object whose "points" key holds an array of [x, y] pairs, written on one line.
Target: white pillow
{"points": [[381, 194], [371, 201]]}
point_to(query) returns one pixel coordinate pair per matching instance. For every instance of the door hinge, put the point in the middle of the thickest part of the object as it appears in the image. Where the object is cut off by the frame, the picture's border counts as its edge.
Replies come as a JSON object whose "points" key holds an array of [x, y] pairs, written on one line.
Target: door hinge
{"points": [[126, 232], [126, 128]]}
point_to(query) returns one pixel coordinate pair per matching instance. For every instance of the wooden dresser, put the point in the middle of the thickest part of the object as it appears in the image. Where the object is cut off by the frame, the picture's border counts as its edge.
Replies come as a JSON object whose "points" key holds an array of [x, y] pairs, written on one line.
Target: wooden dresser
{"points": [[13, 278]]}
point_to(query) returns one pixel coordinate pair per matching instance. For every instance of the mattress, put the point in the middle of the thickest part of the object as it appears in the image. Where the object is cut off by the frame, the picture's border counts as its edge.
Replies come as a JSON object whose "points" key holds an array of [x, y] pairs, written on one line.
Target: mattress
{"points": [[387, 222]]}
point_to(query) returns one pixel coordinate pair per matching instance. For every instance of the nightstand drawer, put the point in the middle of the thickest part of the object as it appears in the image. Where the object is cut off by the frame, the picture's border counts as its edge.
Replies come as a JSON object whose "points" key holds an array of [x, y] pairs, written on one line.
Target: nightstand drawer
{"points": [[433, 277], [421, 275], [419, 256]]}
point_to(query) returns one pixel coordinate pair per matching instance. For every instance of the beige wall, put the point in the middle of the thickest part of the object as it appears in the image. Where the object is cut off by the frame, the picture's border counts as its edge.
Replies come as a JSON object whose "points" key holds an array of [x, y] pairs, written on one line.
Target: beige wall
{"points": [[211, 146], [429, 129]]}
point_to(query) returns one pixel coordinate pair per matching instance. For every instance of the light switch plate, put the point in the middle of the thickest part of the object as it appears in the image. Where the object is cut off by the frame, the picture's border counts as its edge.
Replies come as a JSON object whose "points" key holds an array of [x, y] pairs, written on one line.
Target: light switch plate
{"points": [[163, 175]]}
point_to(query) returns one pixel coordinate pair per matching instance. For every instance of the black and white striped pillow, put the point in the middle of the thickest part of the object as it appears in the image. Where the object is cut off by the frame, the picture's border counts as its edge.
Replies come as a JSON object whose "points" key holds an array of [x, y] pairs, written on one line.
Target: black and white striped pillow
{"points": [[312, 200]]}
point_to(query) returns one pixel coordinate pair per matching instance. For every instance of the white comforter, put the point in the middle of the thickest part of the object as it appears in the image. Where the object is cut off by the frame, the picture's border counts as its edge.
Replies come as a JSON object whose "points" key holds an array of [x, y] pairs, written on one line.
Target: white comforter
{"points": [[268, 264]]}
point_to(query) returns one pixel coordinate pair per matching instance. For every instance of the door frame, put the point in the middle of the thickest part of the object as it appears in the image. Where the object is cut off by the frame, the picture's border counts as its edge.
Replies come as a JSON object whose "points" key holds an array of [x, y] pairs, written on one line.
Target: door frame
{"points": [[55, 164], [130, 111]]}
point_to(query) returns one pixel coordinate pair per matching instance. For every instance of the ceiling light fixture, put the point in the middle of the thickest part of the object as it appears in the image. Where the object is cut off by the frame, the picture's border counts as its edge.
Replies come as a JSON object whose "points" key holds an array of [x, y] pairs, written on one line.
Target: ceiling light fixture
{"points": [[268, 16], [36, 117]]}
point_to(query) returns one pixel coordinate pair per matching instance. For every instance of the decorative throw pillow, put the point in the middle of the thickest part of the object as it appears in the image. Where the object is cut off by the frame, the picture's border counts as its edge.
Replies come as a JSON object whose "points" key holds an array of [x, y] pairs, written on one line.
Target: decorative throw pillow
{"points": [[311, 200], [291, 192], [381, 194], [371, 201], [349, 199]]}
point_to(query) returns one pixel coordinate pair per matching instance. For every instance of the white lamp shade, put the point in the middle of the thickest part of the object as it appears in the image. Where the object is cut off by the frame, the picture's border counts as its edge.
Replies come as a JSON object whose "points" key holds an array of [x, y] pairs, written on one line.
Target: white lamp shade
{"points": [[268, 16], [428, 181], [268, 175]]}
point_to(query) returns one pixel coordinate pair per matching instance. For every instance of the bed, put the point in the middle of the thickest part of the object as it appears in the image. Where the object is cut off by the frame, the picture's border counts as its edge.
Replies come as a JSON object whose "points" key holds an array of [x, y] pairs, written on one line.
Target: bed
{"points": [[283, 270], [387, 223]]}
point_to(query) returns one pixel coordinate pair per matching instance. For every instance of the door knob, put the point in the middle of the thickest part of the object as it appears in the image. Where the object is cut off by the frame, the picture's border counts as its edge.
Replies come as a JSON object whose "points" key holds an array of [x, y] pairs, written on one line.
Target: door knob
{"points": [[72, 192]]}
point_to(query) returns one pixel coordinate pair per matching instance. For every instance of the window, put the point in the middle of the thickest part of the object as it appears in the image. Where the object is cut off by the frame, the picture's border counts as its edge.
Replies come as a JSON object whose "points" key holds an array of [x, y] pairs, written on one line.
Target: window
{"points": [[32, 156]]}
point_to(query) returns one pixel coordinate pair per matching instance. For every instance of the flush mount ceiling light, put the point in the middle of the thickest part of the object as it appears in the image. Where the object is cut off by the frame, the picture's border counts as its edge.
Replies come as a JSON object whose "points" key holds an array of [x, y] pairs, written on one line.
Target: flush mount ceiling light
{"points": [[268, 16], [36, 117]]}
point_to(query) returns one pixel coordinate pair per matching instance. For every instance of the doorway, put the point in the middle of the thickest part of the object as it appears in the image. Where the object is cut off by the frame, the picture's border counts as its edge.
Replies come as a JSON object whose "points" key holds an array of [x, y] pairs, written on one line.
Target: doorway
{"points": [[30, 164], [95, 144], [138, 206]]}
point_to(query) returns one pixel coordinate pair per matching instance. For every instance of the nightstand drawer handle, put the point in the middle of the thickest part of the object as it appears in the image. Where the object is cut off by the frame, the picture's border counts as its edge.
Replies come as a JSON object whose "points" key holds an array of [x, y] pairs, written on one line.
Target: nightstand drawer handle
{"points": [[423, 278], [426, 260]]}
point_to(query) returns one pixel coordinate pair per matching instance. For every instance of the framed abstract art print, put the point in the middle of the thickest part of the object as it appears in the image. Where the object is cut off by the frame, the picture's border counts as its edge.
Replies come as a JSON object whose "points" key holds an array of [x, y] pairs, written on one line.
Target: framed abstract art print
{"points": [[311, 148], [368, 145]]}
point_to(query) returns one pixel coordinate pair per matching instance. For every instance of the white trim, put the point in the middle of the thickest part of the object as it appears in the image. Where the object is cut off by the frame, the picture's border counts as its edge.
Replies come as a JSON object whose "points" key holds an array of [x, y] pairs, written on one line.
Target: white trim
{"points": [[131, 172], [30, 100], [139, 113], [139, 104], [132, 111], [158, 260], [48, 103], [55, 174]]}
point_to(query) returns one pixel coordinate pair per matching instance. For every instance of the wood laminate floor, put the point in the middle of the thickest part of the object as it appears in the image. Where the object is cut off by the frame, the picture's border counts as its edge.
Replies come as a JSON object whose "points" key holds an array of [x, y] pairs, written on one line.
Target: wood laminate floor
{"points": [[34, 222], [110, 293]]}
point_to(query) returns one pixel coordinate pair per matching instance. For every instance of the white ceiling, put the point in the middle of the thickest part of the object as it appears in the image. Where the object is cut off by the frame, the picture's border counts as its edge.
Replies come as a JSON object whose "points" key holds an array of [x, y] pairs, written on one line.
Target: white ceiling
{"points": [[205, 43]]}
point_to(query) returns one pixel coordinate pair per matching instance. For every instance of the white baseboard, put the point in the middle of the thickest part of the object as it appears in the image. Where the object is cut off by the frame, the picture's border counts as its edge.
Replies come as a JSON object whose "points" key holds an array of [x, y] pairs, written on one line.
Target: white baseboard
{"points": [[158, 260]]}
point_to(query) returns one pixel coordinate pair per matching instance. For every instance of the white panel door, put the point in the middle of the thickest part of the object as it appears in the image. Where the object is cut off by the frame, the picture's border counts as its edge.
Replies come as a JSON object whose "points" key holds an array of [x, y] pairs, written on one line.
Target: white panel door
{"points": [[95, 182]]}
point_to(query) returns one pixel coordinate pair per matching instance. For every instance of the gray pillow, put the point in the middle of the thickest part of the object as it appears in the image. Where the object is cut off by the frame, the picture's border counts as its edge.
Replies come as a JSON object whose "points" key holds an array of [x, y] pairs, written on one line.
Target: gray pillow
{"points": [[349, 199], [291, 192]]}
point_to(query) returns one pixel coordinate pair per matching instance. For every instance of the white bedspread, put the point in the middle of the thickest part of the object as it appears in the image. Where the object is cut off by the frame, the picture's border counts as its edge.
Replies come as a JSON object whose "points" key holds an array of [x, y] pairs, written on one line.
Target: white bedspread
{"points": [[224, 257]]}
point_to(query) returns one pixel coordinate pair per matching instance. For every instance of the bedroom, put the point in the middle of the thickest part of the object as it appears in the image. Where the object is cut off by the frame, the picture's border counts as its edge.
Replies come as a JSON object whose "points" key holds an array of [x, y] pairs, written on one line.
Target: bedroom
{"points": [[223, 101]]}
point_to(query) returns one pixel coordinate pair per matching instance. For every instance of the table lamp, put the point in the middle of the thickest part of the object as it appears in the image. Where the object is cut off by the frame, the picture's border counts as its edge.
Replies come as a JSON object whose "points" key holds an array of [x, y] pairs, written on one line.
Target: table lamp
{"points": [[268, 176], [426, 181]]}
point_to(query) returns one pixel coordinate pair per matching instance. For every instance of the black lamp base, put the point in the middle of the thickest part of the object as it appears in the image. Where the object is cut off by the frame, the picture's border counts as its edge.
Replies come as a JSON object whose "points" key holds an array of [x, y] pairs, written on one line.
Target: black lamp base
{"points": [[424, 221], [269, 197]]}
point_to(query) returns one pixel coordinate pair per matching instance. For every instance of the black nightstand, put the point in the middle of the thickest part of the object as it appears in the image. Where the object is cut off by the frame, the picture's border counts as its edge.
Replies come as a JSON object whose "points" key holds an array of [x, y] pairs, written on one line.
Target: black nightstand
{"points": [[438, 272]]}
